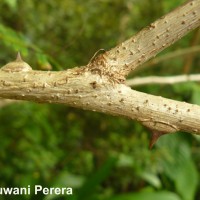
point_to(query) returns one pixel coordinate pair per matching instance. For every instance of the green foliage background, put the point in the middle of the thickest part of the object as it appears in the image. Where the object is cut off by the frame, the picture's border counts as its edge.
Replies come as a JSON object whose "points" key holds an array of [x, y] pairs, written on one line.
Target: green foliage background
{"points": [[101, 157]]}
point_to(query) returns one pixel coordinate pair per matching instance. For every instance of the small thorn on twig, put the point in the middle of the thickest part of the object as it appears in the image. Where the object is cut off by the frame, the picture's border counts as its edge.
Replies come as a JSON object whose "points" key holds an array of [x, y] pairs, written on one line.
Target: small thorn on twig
{"points": [[18, 58], [155, 136]]}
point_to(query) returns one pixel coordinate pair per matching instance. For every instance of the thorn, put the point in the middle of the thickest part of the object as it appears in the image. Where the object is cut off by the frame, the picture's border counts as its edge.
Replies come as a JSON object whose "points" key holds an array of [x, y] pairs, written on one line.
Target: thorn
{"points": [[19, 58], [155, 136]]}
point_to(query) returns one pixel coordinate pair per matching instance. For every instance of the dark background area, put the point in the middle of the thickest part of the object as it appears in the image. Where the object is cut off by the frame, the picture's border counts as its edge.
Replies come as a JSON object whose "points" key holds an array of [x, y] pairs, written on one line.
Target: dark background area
{"points": [[99, 156]]}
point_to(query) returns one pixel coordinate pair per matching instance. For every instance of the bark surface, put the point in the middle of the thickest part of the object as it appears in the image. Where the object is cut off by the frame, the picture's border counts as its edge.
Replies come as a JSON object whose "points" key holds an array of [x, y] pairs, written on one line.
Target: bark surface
{"points": [[100, 85]]}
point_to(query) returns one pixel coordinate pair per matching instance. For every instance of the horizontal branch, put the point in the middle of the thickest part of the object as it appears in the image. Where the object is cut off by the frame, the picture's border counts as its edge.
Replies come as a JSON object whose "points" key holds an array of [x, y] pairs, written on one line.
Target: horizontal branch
{"points": [[162, 80], [150, 41], [82, 89]]}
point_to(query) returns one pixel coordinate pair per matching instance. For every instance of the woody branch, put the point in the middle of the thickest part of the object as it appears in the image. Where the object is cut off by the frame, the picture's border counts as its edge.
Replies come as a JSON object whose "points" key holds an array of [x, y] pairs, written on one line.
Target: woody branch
{"points": [[100, 85], [163, 80], [153, 39]]}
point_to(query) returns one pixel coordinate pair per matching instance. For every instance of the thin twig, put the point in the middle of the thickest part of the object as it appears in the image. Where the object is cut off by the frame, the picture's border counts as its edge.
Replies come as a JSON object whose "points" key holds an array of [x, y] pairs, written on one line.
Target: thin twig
{"points": [[168, 56], [162, 80], [191, 56]]}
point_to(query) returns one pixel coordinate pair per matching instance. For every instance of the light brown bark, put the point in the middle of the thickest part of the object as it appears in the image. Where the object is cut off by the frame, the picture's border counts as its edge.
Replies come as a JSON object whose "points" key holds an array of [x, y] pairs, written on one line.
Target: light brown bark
{"points": [[163, 80], [100, 85], [151, 40]]}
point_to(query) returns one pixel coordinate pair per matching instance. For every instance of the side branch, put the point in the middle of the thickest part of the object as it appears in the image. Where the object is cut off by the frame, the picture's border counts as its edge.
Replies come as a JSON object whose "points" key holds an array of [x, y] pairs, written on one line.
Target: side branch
{"points": [[150, 41], [162, 80]]}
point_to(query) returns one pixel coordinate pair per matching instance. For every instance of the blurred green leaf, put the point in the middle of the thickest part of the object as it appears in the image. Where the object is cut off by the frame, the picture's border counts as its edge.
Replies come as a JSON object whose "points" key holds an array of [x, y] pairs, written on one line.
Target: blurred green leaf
{"points": [[124, 160], [187, 180], [67, 179], [161, 195], [196, 94], [13, 39], [151, 178], [179, 165], [43, 61], [93, 182], [12, 3]]}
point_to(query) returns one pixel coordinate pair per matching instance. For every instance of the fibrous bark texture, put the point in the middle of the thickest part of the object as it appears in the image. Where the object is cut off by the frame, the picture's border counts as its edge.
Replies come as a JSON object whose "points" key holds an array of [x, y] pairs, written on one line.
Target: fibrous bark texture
{"points": [[100, 85]]}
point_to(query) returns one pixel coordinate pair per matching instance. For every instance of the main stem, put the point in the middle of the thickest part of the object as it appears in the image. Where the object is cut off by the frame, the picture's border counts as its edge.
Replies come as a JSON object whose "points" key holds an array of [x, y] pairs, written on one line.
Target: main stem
{"points": [[89, 91]]}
